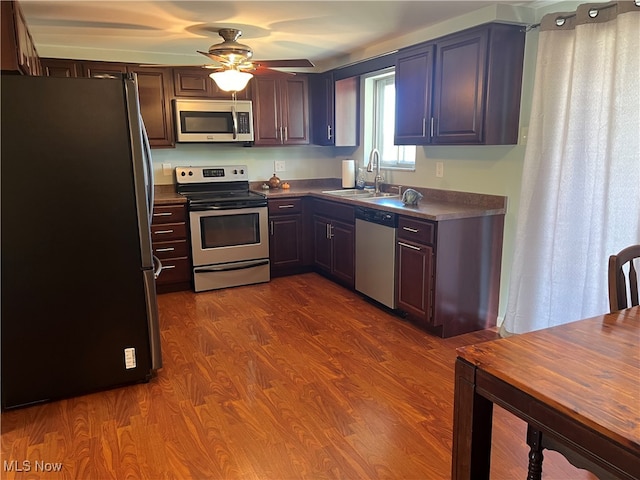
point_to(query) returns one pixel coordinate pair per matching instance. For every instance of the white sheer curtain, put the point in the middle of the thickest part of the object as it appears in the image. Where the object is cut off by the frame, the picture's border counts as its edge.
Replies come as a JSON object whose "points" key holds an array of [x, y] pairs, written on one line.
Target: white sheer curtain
{"points": [[580, 199]]}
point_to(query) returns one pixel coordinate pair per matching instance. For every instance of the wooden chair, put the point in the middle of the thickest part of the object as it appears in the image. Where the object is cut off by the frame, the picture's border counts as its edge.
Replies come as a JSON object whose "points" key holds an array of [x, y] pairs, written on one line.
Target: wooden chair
{"points": [[617, 282], [617, 301]]}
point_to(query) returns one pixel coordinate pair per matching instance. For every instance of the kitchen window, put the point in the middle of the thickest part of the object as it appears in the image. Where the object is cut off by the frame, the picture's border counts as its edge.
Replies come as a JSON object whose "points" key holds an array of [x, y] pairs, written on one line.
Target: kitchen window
{"points": [[379, 122]]}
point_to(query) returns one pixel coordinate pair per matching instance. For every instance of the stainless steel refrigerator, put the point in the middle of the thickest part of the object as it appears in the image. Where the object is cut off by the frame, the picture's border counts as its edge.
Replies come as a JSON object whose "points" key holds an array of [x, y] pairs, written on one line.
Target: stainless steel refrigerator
{"points": [[78, 305]]}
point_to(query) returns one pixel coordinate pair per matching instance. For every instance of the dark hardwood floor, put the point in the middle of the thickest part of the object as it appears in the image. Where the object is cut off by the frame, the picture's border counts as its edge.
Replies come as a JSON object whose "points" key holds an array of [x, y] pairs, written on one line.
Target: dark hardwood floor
{"points": [[294, 379]]}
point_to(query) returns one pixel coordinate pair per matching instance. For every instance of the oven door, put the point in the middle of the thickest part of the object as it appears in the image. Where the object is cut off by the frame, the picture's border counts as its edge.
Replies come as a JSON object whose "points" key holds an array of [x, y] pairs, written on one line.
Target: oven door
{"points": [[225, 236]]}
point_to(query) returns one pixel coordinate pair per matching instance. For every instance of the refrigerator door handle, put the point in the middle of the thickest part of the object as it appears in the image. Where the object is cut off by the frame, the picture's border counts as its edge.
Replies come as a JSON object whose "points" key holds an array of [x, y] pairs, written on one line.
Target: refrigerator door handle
{"points": [[146, 147], [158, 265]]}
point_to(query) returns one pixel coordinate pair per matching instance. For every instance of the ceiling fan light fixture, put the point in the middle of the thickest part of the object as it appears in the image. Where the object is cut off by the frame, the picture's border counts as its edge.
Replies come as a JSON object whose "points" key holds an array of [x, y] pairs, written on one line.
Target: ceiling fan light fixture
{"points": [[231, 80]]}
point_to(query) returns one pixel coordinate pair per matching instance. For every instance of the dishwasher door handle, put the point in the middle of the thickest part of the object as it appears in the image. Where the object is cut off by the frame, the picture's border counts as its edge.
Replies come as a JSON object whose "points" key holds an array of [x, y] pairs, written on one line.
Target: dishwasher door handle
{"points": [[412, 247]]}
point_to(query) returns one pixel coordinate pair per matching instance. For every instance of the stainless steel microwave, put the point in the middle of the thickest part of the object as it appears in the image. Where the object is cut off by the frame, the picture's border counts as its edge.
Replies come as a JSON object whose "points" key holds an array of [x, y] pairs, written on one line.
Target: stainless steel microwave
{"points": [[213, 120]]}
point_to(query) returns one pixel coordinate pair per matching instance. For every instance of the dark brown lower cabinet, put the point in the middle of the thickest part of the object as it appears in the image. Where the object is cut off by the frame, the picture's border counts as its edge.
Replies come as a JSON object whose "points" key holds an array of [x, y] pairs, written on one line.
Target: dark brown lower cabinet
{"points": [[415, 280], [448, 272], [170, 244], [334, 237], [286, 236]]}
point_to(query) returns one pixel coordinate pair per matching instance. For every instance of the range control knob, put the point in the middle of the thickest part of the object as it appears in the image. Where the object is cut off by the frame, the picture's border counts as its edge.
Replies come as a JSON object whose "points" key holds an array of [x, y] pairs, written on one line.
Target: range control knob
{"points": [[190, 173], [235, 172], [182, 173], [242, 171]]}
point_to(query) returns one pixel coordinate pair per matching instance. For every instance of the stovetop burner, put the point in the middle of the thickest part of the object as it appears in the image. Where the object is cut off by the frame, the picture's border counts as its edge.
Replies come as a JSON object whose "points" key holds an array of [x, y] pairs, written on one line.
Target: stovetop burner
{"points": [[217, 187]]}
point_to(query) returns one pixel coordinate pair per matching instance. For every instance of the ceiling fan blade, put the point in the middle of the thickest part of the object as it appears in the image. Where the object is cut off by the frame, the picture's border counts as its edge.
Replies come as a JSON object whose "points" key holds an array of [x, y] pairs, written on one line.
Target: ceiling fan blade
{"points": [[293, 63], [262, 70], [215, 58], [173, 65]]}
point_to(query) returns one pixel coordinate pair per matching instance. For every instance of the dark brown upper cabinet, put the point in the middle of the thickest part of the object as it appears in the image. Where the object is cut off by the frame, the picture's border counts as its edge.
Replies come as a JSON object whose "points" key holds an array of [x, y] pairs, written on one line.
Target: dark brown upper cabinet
{"points": [[334, 107], [196, 82], [154, 95], [281, 110], [19, 53], [60, 67], [462, 89], [414, 89]]}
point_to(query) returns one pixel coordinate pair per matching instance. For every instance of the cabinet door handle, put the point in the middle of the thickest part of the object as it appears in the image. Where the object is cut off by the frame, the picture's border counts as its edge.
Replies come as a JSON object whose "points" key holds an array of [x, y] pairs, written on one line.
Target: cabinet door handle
{"points": [[409, 229], [163, 214], [412, 247], [286, 206], [271, 227], [168, 267], [424, 126], [167, 249], [433, 129], [330, 231], [327, 233], [286, 134], [160, 232], [328, 132], [281, 135]]}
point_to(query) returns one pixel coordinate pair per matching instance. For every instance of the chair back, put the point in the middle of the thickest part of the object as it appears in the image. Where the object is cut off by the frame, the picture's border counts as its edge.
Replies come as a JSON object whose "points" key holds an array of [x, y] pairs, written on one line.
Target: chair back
{"points": [[617, 281]]}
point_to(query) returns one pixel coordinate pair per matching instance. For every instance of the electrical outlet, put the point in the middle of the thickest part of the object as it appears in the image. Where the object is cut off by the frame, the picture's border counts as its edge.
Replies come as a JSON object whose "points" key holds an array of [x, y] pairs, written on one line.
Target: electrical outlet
{"points": [[166, 169], [279, 166], [524, 135], [439, 169]]}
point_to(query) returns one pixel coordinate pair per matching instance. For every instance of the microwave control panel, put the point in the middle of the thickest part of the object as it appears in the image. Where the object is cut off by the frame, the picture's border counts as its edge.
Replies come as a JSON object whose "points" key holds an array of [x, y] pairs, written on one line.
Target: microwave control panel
{"points": [[244, 125]]}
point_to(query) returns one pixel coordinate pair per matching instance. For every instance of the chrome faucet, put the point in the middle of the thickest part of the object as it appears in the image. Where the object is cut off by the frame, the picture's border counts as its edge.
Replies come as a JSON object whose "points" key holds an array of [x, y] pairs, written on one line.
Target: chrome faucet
{"points": [[374, 156]]}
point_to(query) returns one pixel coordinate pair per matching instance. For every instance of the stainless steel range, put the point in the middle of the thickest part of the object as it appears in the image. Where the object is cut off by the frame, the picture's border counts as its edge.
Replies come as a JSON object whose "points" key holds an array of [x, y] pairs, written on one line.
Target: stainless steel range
{"points": [[229, 227]]}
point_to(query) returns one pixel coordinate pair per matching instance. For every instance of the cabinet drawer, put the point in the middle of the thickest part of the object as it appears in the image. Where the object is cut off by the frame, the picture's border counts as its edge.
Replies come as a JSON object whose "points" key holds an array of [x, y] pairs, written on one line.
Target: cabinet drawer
{"points": [[169, 214], [285, 205], [164, 250], [168, 231], [335, 210], [419, 231], [174, 270]]}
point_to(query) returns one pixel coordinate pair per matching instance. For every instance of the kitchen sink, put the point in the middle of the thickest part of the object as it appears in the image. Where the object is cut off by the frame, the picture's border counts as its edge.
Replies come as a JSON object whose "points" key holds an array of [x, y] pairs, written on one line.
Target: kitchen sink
{"points": [[357, 193]]}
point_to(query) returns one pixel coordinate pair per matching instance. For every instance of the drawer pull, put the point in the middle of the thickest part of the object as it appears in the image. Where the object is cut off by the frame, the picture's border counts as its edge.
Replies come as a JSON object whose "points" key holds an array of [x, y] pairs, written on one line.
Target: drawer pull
{"points": [[163, 214], [167, 249], [412, 230], [412, 247], [168, 267], [286, 206], [160, 232]]}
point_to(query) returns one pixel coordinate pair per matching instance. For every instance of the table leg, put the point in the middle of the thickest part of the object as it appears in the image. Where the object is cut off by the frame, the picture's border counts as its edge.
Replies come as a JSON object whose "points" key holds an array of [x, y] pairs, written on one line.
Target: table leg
{"points": [[534, 440], [472, 422]]}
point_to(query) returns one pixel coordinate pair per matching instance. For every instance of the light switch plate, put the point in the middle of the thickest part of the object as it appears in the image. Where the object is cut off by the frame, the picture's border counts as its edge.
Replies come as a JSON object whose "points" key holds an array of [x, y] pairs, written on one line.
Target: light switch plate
{"points": [[166, 169], [439, 169], [279, 166]]}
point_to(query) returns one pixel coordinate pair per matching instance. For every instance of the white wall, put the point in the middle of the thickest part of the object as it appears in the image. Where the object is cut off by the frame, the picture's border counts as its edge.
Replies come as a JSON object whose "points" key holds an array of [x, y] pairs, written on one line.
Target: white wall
{"points": [[300, 162]]}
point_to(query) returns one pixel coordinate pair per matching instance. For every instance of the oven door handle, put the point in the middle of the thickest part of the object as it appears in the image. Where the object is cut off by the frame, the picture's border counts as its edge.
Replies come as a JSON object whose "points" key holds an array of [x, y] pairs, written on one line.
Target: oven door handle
{"points": [[243, 266]]}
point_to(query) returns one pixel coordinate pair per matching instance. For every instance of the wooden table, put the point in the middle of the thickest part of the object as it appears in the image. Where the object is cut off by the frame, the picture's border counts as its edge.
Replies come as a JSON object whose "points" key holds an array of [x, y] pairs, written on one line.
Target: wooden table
{"points": [[577, 384]]}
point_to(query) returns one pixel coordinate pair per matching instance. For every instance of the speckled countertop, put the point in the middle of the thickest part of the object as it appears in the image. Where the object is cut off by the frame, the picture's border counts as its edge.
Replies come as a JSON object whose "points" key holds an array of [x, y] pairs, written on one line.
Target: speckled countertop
{"points": [[435, 205], [166, 194]]}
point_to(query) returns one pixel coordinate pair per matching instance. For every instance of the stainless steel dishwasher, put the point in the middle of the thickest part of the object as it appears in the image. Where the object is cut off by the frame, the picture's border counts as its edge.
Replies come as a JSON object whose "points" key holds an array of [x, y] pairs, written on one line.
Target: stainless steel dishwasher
{"points": [[376, 254]]}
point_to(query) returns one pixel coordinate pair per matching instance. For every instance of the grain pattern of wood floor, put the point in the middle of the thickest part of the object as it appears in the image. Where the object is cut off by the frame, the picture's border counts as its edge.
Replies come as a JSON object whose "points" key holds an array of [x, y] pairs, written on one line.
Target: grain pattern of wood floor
{"points": [[294, 379]]}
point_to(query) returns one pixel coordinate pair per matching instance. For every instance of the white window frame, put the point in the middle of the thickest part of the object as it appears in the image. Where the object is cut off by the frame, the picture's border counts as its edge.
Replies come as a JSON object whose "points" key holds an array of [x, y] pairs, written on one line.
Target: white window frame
{"points": [[376, 115]]}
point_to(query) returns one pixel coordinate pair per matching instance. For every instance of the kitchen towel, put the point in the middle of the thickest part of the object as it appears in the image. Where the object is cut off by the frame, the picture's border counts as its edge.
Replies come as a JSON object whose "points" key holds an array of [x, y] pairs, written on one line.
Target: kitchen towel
{"points": [[348, 173]]}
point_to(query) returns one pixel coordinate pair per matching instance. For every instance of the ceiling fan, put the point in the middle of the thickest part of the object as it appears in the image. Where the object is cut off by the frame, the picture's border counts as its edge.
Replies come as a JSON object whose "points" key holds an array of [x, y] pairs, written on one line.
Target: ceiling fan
{"points": [[235, 64], [232, 54]]}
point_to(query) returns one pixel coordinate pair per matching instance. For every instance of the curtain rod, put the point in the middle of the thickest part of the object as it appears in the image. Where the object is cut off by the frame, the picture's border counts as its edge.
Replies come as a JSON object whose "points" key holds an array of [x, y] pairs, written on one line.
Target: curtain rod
{"points": [[593, 12]]}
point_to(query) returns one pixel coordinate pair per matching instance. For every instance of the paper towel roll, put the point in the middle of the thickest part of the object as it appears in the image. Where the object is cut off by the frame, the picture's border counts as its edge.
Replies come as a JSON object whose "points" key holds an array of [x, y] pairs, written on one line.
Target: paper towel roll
{"points": [[348, 173]]}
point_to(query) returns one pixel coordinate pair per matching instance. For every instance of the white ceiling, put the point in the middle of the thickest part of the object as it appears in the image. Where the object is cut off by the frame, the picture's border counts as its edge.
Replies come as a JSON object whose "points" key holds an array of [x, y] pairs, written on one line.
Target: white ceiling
{"points": [[171, 31]]}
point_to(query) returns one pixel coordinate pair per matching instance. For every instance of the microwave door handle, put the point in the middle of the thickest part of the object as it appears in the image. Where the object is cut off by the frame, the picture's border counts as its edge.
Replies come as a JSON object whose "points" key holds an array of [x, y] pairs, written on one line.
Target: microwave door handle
{"points": [[234, 117]]}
